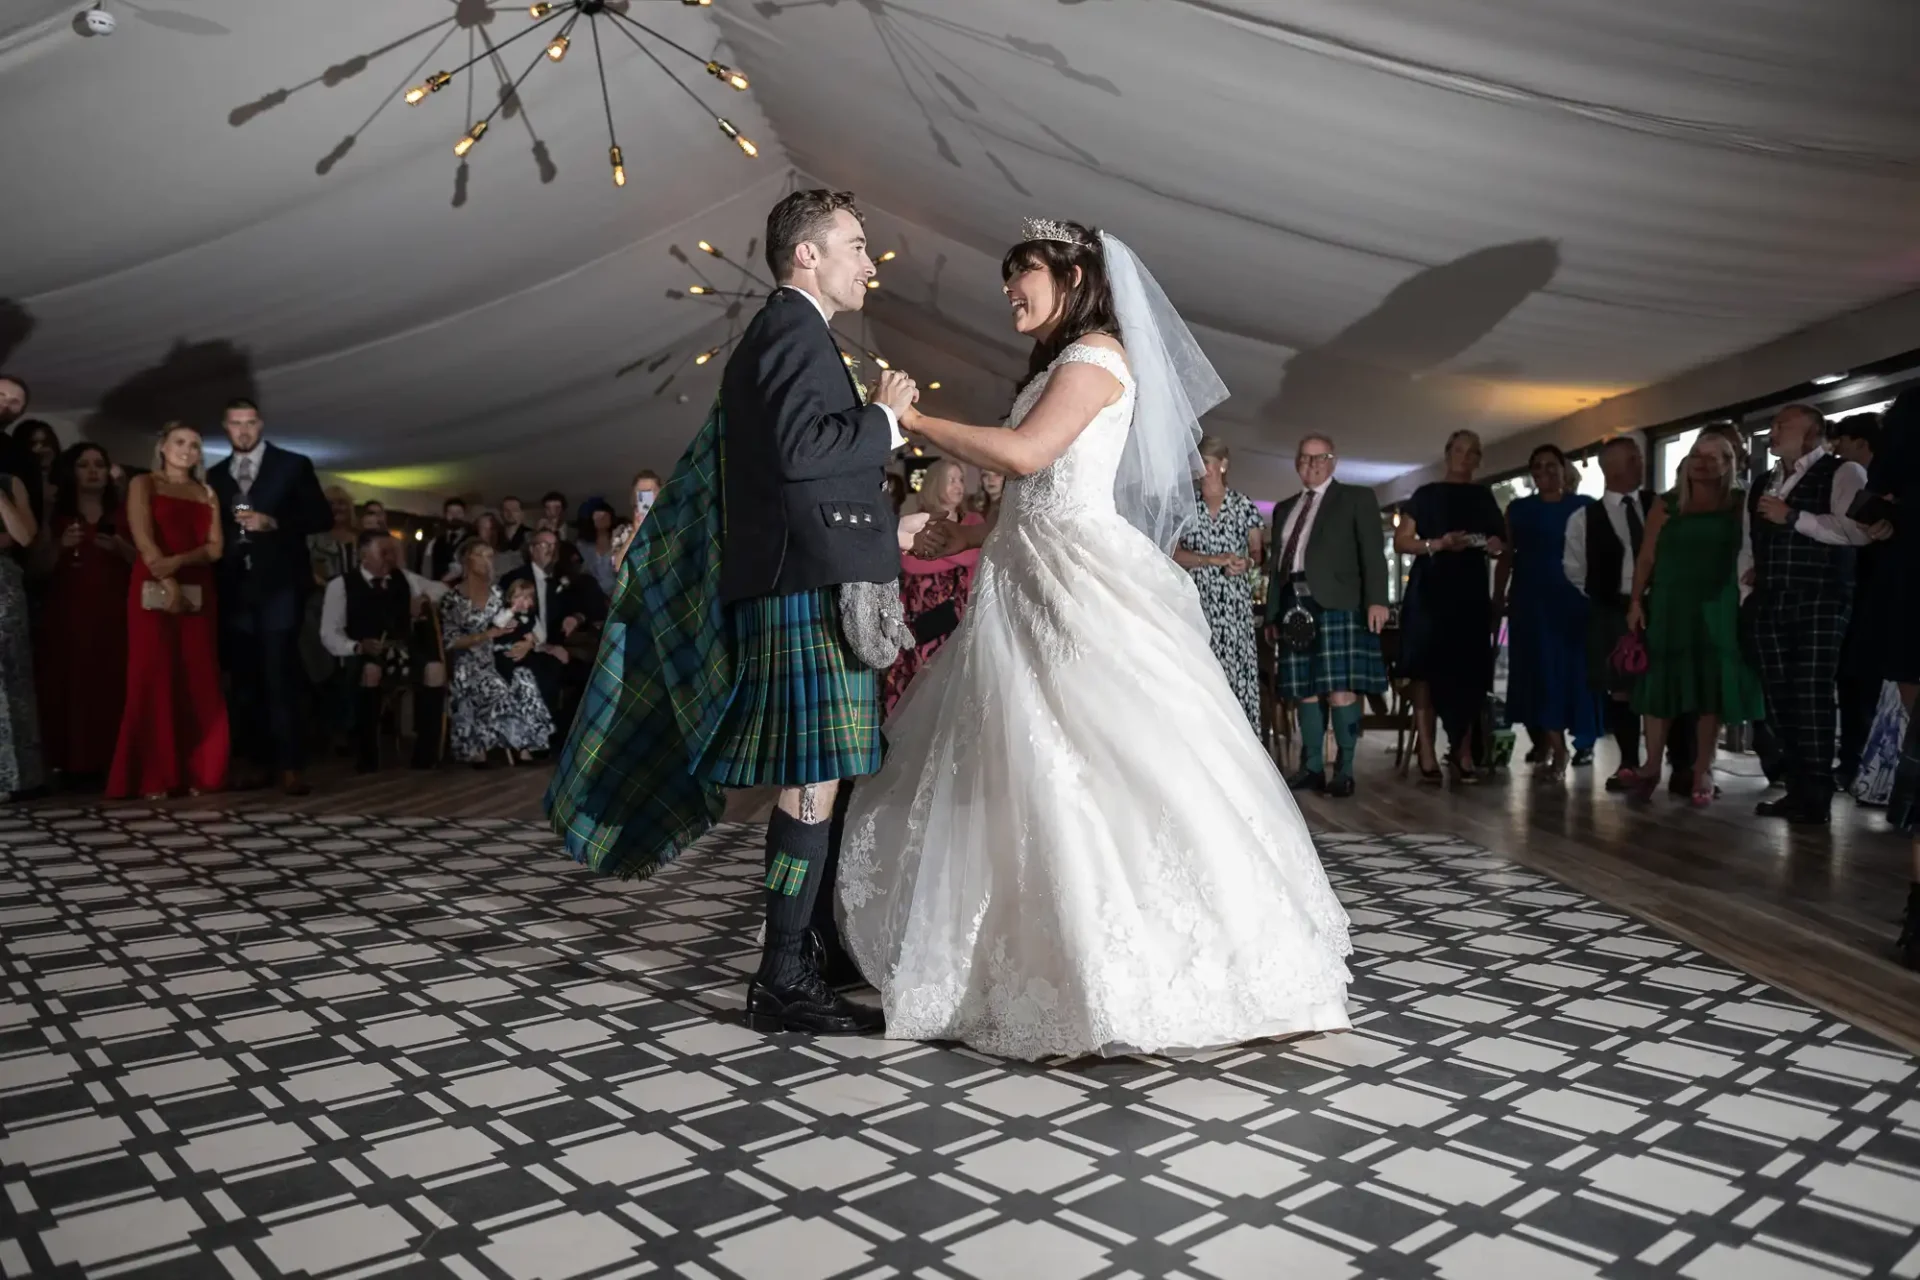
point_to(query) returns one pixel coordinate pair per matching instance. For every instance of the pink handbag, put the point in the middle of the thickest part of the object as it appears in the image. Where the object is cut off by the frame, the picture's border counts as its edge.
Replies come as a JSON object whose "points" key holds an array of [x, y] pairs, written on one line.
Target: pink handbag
{"points": [[1629, 655]]}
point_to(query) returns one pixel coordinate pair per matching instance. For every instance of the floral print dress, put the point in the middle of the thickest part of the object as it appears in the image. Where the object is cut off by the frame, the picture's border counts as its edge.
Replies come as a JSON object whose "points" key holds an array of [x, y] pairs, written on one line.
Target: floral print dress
{"points": [[488, 711], [1227, 600]]}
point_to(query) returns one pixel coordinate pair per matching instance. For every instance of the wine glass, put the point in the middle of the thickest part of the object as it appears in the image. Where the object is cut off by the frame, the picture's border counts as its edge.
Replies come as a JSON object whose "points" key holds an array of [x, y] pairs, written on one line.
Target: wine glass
{"points": [[241, 507]]}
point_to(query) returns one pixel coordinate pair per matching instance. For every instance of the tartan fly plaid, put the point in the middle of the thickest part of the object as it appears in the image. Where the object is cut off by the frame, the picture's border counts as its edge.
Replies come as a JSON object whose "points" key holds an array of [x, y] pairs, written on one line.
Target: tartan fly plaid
{"points": [[1345, 658], [804, 708], [625, 798]]}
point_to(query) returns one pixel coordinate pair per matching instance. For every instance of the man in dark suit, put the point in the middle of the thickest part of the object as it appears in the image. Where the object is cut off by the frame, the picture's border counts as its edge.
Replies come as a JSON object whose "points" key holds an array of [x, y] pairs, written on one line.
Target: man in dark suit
{"points": [[1598, 558], [563, 604], [1330, 565], [806, 512], [270, 503]]}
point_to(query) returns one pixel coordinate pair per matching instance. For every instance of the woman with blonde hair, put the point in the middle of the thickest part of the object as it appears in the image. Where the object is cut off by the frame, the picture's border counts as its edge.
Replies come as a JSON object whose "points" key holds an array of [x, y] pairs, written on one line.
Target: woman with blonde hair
{"points": [[927, 585], [1686, 601], [173, 734], [1221, 548]]}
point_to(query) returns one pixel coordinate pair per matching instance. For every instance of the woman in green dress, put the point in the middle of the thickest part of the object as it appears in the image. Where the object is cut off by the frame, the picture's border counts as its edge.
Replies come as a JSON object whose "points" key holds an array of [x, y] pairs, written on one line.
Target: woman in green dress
{"points": [[1686, 601]]}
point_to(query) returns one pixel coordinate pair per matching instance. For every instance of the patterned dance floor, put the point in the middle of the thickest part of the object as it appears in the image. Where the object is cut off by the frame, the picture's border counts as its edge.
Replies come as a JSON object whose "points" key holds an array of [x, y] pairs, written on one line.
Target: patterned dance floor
{"points": [[272, 1045]]}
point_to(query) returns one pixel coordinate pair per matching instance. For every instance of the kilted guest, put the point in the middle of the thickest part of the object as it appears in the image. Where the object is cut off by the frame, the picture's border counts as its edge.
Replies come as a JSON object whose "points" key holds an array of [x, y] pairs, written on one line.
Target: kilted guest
{"points": [[1598, 560], [1446, 623], [1803, 562], [1332, 565], [1546, 621], [1221, 548], [379, 622], [1686, 598], [723, 663], [927, 584]]}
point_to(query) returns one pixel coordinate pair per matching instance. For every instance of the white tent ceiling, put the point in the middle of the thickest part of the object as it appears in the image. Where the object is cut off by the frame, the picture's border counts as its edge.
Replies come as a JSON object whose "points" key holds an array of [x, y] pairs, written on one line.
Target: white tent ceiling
{"points": [[1386, 218]]}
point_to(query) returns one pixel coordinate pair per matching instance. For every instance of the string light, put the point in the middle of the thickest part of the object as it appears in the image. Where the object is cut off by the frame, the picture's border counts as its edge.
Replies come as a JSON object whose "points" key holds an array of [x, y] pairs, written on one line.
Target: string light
{"points": [[540, 10], [474, 135], [873, 284], [698, 290], [888, 256], [882, 363], [739, 139], [558, 49], [704, 247], [705, 356], [435, 83], [933, 386], [619, 166], [696, 3], [727, 75]]}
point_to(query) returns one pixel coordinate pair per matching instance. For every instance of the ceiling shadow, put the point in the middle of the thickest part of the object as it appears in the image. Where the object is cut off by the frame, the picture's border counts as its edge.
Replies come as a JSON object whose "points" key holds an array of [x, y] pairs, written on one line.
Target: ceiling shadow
{"points": [[1382, 367], [193, 384], [16, 326]]}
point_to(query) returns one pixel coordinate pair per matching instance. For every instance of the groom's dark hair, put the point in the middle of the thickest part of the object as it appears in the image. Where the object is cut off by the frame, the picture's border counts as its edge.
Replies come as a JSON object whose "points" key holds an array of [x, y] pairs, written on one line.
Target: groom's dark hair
{"points": [[804, 217], [1089, 304]]}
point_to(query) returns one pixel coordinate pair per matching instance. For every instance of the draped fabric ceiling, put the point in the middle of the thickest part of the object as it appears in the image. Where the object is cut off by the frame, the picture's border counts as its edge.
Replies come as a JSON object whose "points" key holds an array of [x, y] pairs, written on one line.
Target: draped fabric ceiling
{"points": [[1386, 219]]}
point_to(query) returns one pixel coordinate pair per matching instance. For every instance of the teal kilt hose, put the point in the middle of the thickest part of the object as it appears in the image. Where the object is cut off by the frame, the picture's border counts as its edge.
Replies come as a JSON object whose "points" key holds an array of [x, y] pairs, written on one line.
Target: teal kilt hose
{"points": [[804, 708], [1345, 657]]}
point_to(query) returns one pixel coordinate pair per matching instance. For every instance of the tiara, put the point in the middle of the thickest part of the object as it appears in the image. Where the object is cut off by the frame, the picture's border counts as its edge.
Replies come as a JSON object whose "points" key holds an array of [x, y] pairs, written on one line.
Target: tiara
{"points": [[1048, 229]]}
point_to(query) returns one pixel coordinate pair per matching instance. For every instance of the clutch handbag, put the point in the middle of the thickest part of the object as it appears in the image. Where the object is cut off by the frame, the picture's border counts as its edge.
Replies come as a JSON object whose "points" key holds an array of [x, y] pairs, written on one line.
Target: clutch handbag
{"points": [[153, 596], [1629, 655]]}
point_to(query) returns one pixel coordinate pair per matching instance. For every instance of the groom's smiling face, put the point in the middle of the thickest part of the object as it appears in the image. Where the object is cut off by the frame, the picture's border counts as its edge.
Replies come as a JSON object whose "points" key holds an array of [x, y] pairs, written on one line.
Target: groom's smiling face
{"points": [[839, 263]]}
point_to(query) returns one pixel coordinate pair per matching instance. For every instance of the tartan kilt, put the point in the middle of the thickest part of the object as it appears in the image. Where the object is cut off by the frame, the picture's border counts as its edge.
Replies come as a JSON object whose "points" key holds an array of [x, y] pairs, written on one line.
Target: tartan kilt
{"points": [[804, 708], [1345, 658]]}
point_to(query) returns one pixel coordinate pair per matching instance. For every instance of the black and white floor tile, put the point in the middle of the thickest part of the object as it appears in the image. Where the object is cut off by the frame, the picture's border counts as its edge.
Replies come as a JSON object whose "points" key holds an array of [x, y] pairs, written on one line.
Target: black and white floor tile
{"points": [[267, 1046]]}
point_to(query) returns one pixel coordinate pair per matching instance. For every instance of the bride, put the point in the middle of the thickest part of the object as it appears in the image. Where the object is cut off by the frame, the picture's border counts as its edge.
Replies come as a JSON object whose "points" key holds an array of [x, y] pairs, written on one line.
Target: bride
{"points": [[1075, 846]]}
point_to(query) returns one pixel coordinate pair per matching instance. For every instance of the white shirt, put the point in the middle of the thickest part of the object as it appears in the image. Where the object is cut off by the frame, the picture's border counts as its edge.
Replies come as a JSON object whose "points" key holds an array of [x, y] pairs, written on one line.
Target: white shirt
{"points": [[893, 419], [333, 610], [1573, 553], [1831, 527], [1306, 535]]}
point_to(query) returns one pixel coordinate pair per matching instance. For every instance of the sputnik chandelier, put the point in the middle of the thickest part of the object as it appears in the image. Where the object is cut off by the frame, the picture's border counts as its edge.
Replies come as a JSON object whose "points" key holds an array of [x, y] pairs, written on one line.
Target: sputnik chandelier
{"points": [[559, 20], [733, 301]]}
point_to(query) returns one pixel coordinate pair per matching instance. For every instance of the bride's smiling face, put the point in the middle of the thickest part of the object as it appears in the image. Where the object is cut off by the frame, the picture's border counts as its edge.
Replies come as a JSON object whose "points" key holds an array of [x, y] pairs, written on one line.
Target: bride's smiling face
{"points": [[1036, 299]]}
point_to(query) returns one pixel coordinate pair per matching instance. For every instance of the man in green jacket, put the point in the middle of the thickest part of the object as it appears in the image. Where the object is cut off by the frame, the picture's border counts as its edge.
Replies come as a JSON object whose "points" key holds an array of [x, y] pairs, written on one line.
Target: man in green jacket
{"points": [[1329, 565]]}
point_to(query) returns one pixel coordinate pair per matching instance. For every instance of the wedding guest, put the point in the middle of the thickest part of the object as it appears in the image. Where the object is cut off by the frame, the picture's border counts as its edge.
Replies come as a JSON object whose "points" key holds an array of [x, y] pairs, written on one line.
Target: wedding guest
{"points": [[335, 551], [1803, 568], [488, 713], [22, 771], [1599, 561], [1895, 478], [270, 503], [1332, 566], [1858, 683], [440, 561], [378, 622], [596, 541], [513, 525], [37, 441], [14, 399], [553, 509], [490, 529], [565, 606], [986, 499], [1686, 599], [928, 584], [1547, 687], [373, 515], [173, 732], [646, 490], [1221, 549], [1453, 528], [81, 650]]}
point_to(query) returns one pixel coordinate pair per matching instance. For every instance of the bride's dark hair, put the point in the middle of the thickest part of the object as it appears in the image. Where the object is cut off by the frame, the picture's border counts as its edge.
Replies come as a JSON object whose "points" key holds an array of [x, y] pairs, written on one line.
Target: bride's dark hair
{"points": [[1089, 305]]}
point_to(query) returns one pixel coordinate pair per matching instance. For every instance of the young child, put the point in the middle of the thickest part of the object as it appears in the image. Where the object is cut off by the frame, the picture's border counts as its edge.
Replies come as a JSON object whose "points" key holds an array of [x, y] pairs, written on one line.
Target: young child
{"points": [[518, 617]]}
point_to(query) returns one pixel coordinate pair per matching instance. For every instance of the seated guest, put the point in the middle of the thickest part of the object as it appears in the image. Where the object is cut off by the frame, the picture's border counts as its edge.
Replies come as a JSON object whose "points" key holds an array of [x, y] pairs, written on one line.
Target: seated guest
{"points": [[564, 608], [82, 642], [378, 621], [596, 541], [373, 515], [1686, 598], [929, 584], [489, 714], [516, 622], [489, 528], [553, 512]]}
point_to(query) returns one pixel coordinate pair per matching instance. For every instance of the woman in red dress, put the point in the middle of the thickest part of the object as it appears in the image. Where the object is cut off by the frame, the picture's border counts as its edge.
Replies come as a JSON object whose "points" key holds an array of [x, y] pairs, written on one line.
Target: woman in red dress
{"points": [[173, 734], [926, 584], [82, 652]]}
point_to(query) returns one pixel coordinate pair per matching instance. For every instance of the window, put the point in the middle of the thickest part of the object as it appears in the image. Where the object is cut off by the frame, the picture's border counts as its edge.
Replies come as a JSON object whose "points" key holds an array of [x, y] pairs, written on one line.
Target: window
{"points": [[1591, 483], [1672, 452]]}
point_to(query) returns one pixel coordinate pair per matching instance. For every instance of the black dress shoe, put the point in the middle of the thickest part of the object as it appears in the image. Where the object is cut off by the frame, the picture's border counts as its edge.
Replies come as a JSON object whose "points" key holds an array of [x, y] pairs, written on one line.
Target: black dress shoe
{"points": [[809, 1006], [1908, 948], [1785, 806], [836, 967], [1307, 780], [1583, 759], [1812, 813], [1341, 787]]}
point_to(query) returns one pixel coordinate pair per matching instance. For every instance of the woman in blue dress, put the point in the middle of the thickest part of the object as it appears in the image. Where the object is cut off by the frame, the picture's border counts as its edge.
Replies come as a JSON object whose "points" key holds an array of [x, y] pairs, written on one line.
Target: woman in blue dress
{"points": [[1547, 687]]}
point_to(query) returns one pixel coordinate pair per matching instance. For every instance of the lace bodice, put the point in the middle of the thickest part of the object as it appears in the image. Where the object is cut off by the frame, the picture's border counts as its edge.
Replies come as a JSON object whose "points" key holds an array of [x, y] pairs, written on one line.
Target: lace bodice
{"points": [[1079, 481]]}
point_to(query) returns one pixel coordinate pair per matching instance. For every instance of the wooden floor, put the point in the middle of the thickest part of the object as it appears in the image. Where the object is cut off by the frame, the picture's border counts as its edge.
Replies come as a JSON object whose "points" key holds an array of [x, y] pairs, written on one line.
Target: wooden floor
{"points": [[1813, 912]]}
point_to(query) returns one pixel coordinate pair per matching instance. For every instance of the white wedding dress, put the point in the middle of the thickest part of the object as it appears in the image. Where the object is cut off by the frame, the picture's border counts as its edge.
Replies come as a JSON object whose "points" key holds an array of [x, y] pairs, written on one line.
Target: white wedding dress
{"points": [[1075, 845]]}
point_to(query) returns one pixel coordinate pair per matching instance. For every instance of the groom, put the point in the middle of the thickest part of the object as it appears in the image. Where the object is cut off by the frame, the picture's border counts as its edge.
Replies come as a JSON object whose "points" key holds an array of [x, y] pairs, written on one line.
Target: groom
{"points": [[806, 511]]}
